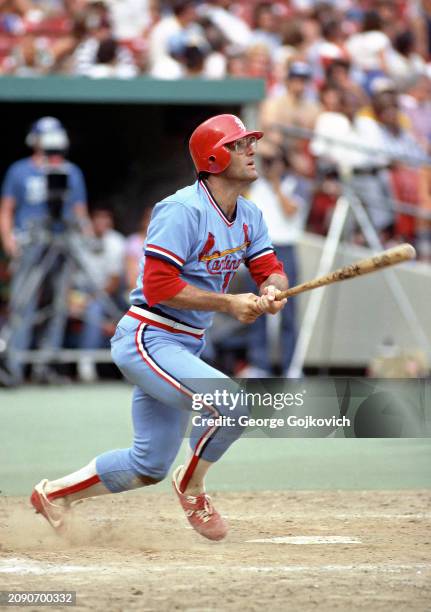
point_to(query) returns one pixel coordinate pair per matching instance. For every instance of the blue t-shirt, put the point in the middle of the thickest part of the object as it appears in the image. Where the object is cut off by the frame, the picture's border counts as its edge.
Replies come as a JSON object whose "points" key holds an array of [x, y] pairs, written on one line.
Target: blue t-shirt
{"points": [[26, 182], [190, 231]]}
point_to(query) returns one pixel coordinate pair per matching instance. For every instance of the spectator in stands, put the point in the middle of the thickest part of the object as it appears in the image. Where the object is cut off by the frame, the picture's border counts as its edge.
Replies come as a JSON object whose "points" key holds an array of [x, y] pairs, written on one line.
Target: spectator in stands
{"points": [[382, 129], [266, 26], [107, 62], [216, 61], [183, 16], [294, 108], [328, 48], [133, 249], [423, 225], [338, 75], [293, 37], [222, 14], [258, 63], [416, 105], [369, 49], [98, 30], [105, 263], [292, 48], [404, 64], [398, 143], [61, 48], [328, 129], [305, 30], [236, 64], [189, 49], [420, 13], [27, 59], [335, 141], [130, 18], [278, 193]]}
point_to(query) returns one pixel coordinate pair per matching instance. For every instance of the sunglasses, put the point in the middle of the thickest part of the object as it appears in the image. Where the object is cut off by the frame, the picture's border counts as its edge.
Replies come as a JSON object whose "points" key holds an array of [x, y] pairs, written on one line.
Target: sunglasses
{"points": [[242, 144]]}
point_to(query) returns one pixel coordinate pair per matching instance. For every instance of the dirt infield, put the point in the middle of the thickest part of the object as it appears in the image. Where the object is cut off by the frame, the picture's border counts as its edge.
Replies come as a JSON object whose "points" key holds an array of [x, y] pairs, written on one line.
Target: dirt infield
{"points": [[135, 552]]}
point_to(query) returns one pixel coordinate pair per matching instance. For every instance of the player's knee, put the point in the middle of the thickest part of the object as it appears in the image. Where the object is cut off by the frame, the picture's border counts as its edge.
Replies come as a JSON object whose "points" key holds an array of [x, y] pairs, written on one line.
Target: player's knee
{"points": [[149, 470], [237, 419], [241, 413], [148, 480]]}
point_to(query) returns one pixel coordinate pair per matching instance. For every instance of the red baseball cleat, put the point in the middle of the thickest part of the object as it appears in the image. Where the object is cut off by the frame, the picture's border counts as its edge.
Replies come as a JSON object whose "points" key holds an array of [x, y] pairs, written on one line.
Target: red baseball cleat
{"points": [[54, 513], [201, 514]]}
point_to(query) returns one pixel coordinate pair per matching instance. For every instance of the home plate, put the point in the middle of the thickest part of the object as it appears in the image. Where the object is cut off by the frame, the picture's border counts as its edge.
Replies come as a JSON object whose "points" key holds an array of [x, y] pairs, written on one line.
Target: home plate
{"points": [[307, 540]]}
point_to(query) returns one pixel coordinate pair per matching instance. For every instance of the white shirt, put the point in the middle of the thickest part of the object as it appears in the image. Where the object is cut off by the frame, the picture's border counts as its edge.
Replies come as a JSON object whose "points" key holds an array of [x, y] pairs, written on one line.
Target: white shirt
{"points": [[168, 68], [84, 58], [365, 48], [233, 28], [129, 17], [215, 66], [283, 229], [159, 38], [106, 258], [336, 140], [389, 146], [405, 70]]}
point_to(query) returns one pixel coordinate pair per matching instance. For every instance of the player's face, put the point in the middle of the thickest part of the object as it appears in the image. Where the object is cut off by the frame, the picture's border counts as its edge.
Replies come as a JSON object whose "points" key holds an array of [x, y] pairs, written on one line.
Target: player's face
{"points": [[242, 165]]}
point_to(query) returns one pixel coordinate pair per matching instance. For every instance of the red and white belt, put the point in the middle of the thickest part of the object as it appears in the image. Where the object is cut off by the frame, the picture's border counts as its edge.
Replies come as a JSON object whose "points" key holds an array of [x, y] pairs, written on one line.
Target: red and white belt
{"points": [[146, 316]]}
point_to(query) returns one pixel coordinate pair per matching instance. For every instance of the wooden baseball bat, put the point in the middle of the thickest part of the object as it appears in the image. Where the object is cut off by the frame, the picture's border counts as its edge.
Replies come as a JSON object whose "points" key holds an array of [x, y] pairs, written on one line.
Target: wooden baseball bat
{"points": [[387, 258]]}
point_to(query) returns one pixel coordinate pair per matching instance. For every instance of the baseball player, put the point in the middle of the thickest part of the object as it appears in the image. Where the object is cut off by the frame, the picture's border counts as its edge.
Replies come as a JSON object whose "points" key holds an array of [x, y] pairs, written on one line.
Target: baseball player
{"points": [[197, 239]]}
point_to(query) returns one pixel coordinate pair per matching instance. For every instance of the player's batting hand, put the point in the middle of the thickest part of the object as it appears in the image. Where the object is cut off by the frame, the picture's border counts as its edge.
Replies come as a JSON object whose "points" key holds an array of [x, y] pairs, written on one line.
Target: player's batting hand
{"points": [[244, 307], [267, 303]]}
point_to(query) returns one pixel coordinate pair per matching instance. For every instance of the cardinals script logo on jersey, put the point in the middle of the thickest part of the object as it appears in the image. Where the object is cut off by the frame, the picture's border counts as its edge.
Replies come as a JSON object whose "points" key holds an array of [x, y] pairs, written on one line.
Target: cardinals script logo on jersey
{"points": [[223, 262]]}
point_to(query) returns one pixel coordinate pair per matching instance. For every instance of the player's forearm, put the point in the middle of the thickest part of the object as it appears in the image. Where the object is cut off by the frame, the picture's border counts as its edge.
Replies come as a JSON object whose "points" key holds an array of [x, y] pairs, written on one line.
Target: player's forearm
{"points": [[280, 281], [193, 298]]}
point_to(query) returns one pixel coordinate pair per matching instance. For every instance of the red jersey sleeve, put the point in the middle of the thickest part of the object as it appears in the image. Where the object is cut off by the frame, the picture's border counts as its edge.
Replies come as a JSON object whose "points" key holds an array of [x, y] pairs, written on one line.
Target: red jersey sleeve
{"points": [[262, 267], [161, 280]]}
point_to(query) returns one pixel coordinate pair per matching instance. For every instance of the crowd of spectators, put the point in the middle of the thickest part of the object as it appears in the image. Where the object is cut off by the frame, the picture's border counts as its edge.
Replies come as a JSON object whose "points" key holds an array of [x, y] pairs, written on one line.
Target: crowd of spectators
{"points": [[358, 71], [215, 38]]}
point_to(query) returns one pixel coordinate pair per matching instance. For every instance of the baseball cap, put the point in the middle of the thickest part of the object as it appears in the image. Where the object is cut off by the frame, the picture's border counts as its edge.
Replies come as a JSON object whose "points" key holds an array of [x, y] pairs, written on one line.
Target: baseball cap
{"points": [[45, 125], [299, 69], [44, 128]]}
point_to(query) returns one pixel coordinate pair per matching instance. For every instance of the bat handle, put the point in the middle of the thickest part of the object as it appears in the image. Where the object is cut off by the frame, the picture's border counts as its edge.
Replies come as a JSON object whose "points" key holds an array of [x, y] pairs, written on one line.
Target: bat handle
{"points": [[281, 295]]}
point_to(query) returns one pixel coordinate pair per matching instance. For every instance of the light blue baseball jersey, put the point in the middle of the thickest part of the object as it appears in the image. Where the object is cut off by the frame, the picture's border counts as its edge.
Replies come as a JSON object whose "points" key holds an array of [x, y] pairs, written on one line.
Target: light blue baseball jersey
{"points": [[190, 231], [26, 182]]}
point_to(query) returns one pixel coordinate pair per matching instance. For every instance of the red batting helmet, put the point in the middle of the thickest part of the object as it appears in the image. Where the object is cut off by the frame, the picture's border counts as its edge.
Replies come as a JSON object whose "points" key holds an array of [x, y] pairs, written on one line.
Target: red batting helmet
{"points": [[207, 142]]}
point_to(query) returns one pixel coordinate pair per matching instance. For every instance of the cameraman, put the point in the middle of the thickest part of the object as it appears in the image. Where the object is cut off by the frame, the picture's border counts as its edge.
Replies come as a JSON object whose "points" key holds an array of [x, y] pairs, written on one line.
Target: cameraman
{"points": [[41, 196], [24, 202]]}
